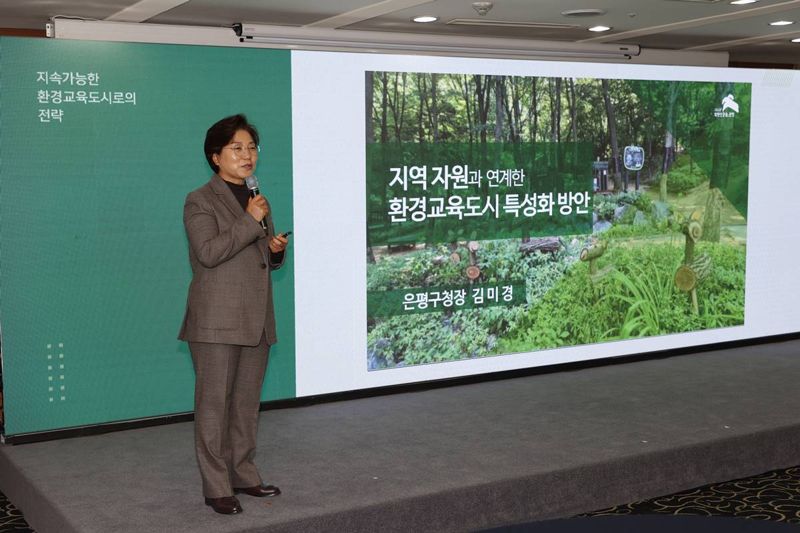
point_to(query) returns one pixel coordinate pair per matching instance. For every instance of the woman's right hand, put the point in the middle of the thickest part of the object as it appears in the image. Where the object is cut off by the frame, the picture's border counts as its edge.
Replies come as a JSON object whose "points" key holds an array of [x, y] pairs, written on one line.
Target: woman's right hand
{"points": [[257, 207]]}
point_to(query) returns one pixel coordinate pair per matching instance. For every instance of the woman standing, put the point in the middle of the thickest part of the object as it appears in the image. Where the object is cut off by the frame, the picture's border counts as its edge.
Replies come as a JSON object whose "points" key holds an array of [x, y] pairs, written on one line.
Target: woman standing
{"points": [[229, 322]]}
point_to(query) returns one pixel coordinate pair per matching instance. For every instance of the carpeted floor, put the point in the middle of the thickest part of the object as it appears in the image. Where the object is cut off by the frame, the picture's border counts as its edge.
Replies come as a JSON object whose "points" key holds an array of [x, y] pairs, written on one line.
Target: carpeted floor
{"points": [[773, 496]]}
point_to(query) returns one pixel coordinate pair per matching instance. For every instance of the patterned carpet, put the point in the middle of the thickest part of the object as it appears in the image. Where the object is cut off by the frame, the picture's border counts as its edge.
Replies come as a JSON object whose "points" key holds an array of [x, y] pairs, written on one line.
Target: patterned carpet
{"points": [[11, 518], [774, 496]]}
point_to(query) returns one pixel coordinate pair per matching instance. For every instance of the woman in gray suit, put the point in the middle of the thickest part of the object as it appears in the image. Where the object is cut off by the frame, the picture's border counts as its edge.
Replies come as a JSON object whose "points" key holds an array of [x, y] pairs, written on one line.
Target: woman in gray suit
{"points": [[229, 321]]}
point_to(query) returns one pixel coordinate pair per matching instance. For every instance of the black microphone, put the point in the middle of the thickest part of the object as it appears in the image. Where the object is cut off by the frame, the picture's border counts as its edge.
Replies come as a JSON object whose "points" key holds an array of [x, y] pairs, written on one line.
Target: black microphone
{"points": [[252, 185]]}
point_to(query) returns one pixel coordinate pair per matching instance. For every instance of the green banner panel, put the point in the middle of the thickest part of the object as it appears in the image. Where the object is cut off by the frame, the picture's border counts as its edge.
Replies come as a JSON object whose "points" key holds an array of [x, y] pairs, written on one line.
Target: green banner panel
{"points": [[99, 145]]}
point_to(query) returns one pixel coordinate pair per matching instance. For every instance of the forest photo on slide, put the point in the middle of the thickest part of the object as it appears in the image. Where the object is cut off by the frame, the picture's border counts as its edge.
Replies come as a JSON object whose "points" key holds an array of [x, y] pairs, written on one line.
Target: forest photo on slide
{"points": [[512, 214]]}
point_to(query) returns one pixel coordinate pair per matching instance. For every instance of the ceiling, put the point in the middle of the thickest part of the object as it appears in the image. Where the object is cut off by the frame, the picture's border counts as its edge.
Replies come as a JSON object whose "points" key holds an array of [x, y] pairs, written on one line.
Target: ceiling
{"points": [[710, 25]]}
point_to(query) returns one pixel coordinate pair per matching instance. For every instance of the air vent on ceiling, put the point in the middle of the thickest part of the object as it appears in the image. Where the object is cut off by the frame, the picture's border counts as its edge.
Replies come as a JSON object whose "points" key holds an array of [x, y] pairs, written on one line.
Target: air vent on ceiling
{"points": [[512, 24], [583, 13]]}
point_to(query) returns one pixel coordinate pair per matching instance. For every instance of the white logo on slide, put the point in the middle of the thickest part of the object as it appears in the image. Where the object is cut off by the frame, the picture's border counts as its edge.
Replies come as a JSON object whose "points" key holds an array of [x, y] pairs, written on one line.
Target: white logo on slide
{"points": [[729, 103], [729, 108]]}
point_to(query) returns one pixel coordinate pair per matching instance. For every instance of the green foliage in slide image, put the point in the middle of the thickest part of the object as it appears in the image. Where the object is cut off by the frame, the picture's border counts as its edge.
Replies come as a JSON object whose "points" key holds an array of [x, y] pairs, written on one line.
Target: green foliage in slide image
{"points": [[638, 299], [565, 304], [448, 336], [685, 176], [664, 251]]}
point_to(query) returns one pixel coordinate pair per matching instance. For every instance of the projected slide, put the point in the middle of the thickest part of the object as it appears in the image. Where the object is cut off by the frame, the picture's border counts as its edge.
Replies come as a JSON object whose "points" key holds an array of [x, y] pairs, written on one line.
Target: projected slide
{"points": [[514, 214]]}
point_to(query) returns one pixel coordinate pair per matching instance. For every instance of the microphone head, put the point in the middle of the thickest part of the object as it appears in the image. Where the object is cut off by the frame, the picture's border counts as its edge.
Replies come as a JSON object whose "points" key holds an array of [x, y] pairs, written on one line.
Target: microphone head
{"points": [[252, 182]]}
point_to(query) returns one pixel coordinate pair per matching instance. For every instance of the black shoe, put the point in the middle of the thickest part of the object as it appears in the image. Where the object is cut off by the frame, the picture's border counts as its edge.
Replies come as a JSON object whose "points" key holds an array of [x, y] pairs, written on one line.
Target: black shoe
{"points": [[225, 505], [259, 491]]}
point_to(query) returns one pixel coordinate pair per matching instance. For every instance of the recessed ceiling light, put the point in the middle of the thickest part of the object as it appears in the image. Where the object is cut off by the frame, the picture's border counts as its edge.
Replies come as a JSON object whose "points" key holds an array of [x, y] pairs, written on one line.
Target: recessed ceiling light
{"points": [[599, 28], [743, 2], [796, 40], [425, 18], [781, 23]]}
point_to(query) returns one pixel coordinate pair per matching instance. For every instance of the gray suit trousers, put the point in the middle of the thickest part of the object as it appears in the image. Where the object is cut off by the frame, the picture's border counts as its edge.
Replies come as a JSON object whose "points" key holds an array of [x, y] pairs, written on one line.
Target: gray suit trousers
{"points": [[226, 405]]}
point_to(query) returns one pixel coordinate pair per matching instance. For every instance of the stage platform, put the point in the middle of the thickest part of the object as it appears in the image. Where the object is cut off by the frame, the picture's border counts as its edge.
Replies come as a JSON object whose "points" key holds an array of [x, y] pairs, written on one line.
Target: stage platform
{"points": [[459, 458]]}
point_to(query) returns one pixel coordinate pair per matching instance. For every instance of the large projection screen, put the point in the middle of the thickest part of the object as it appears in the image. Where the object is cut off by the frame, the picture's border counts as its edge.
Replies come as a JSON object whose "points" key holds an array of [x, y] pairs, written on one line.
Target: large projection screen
{"points": [[431, 239], [356, 203]]}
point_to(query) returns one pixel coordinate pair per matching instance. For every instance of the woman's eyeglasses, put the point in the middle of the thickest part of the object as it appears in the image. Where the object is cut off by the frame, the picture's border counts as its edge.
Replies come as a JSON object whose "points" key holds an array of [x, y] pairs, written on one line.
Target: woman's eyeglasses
{"points": [[240, 150]]}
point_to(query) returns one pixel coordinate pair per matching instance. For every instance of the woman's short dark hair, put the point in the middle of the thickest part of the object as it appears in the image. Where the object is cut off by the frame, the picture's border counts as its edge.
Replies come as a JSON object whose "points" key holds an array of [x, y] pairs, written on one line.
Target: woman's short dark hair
{"points": [[220, 134]]}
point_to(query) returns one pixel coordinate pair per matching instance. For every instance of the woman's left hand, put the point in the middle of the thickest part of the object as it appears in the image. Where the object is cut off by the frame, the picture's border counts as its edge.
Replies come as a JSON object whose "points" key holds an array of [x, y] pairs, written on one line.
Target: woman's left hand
{"points": [[278, 244]]}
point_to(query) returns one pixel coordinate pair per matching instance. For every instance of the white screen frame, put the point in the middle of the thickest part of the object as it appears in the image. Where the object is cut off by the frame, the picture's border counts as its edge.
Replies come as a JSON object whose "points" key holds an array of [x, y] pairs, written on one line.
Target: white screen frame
{"points": [[330, 214]]}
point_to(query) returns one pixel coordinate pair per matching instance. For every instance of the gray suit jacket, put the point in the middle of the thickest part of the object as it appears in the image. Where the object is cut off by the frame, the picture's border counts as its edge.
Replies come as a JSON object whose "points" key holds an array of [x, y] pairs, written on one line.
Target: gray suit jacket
{"points": [[230, 297]]}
